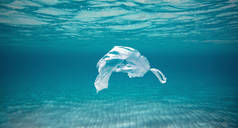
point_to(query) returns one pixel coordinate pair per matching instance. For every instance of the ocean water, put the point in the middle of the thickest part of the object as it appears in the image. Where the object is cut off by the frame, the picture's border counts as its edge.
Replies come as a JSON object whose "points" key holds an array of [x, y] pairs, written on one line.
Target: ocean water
{"points": [[49, 50]]}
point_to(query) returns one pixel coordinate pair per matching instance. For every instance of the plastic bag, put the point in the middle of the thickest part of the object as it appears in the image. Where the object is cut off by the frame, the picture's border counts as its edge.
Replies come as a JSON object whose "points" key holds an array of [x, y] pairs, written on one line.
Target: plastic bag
{"points": [[123, 59]]}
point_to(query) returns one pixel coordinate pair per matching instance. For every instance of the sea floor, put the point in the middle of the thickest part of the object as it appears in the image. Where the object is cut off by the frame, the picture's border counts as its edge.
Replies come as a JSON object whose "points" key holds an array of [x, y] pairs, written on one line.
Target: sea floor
{"points": [[131, 104]]}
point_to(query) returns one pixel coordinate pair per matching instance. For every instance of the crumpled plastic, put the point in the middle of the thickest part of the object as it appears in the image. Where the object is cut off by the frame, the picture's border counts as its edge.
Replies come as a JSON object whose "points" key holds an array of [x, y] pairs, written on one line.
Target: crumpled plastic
{"points": [[123, 59]]}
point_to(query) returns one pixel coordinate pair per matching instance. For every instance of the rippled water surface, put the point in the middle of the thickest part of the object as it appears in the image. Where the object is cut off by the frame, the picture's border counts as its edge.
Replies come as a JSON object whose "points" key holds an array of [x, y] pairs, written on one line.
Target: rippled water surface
{"points": [[49, 50], [40, 22]]}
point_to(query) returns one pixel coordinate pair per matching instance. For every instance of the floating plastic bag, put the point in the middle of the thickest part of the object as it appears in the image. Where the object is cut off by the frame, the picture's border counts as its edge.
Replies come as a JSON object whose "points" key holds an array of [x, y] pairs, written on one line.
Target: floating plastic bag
{"points": [[123, 59]]}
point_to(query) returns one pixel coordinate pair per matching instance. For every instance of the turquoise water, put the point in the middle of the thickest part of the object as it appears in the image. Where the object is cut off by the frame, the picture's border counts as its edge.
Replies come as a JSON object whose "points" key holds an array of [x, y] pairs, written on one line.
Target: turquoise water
{"points": [[49, 51]]}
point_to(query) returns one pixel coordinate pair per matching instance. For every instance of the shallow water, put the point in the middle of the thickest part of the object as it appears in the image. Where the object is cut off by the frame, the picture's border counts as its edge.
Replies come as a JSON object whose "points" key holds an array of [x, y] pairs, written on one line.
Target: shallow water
{"points": [[48, 91], [49, 51]]}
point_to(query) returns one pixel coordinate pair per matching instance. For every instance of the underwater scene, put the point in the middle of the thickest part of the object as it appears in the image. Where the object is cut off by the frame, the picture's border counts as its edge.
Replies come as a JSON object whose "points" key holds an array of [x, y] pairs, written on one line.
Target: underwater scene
{"points": [[118, 64]]}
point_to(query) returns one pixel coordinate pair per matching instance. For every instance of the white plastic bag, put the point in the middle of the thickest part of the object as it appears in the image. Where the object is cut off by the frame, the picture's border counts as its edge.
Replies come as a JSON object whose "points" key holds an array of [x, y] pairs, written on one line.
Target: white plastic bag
{"points": [[123, 59]]}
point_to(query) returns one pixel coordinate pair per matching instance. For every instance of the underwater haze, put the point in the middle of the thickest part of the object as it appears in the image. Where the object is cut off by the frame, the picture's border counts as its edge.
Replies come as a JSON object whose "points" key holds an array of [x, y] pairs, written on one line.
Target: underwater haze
{"points": [[49, 50]]}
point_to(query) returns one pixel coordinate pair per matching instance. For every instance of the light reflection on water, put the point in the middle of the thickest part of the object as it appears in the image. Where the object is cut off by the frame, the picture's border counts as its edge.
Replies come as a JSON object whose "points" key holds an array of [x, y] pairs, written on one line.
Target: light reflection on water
{"points": [[75, 21]]}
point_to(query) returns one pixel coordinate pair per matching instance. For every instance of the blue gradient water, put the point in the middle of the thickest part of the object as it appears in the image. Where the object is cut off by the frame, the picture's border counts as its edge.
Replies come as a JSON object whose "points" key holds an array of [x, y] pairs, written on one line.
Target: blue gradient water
{"points": [[49, 50]]}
